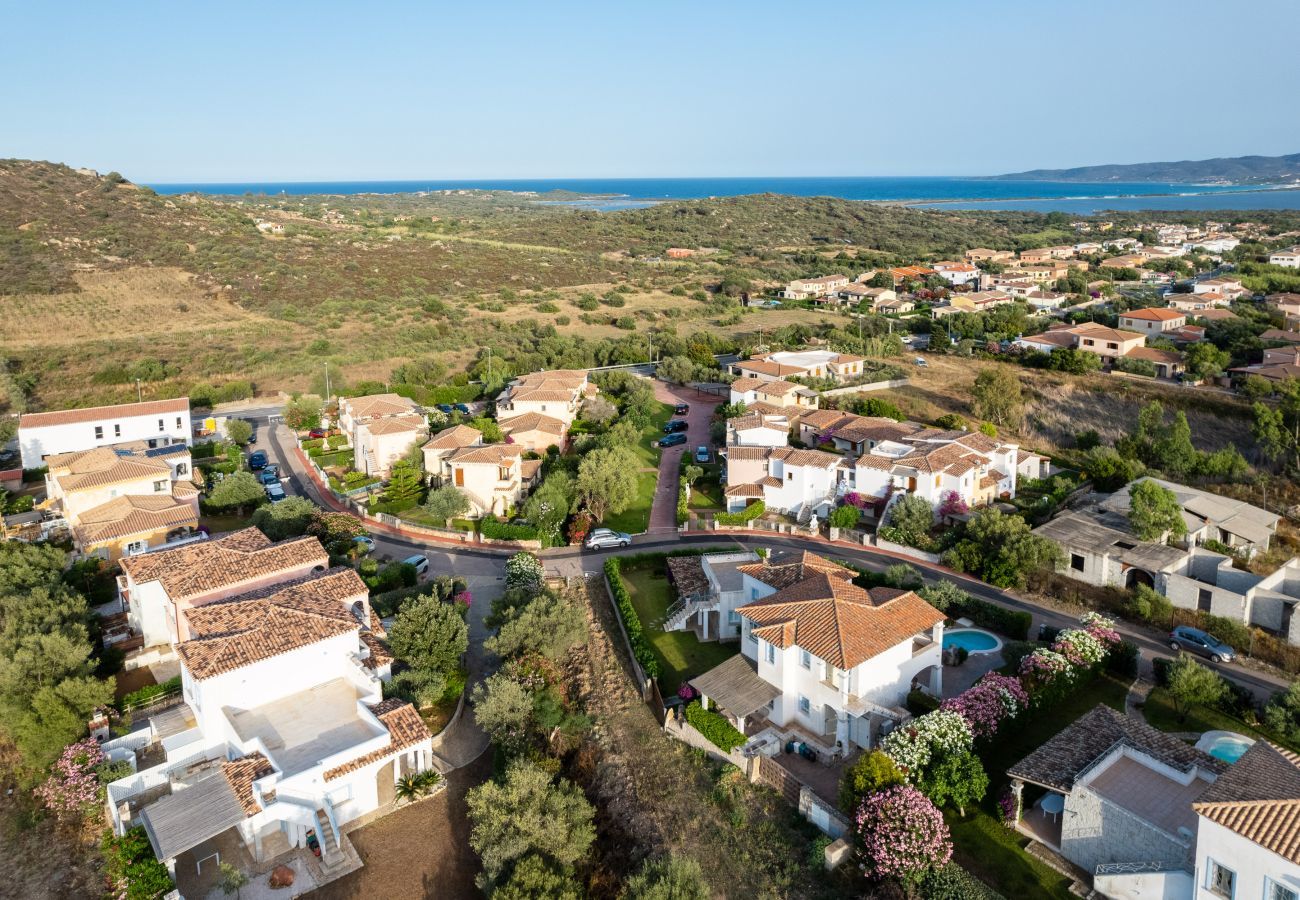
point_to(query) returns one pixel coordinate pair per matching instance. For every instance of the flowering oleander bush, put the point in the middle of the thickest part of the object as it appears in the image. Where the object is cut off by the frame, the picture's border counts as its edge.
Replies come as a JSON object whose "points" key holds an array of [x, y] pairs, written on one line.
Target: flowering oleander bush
{"points": [[73, 789], [990, 702], [914, 745], [465, 598], [861, 501], [687, 693], [901, 835], [524, 570], [1102, 628], [1043, 666], [1079, 647]]}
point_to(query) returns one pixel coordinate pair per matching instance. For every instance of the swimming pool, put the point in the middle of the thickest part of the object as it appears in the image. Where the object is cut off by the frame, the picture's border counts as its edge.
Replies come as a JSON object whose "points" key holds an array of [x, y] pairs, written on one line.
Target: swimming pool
{"points": [[1225, 745], [973, 640]]}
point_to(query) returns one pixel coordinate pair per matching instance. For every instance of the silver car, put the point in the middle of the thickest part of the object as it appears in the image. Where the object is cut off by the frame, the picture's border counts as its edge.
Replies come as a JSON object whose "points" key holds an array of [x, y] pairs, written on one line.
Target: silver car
{"points": [[603, 538]]}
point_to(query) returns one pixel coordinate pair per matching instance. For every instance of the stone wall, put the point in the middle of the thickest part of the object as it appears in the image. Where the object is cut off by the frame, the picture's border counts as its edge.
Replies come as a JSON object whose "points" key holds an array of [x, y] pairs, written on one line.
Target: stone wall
{"points": [[1095, 831]]}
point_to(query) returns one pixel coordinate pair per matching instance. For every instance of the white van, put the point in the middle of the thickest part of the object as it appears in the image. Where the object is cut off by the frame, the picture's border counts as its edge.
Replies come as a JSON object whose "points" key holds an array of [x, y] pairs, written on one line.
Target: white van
{"points": [[421, 564]]}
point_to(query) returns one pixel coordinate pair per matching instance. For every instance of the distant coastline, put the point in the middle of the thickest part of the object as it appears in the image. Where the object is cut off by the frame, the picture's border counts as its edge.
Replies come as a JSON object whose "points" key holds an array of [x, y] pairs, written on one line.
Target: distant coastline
{"points": [[610, 194]]}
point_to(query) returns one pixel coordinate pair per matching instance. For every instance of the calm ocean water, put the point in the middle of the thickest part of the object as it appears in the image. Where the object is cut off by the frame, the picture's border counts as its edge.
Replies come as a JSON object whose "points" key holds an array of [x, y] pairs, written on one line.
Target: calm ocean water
{"points": [[623, 193]]}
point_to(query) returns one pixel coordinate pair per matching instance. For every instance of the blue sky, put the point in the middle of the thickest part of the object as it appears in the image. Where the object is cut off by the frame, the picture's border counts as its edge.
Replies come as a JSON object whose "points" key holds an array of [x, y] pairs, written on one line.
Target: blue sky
{"points": [[166, 91]]}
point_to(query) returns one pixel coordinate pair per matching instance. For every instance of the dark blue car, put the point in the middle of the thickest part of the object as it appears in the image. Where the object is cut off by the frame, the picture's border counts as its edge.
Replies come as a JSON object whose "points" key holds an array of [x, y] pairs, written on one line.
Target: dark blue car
{"points": [[675, 426], [444, 408], [461, 408], [257, 460], [672, 440]]}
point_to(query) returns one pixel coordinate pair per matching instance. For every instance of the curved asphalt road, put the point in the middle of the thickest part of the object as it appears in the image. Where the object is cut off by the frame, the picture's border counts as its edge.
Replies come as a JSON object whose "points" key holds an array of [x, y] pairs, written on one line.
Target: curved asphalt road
{"points": [[486, 563]]}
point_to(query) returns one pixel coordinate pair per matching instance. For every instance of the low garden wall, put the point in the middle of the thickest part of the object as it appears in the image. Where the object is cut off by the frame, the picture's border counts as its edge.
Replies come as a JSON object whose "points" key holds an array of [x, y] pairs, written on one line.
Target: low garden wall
{"points": [[860, 388], [904, 550]]}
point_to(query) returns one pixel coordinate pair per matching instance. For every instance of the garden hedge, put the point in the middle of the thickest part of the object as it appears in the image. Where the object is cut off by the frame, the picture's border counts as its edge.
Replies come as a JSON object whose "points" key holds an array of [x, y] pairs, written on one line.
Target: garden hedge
{"points": [[1007, 622], [631, 621], [491, 527], [715, 727], [748, 514], [149, 692]]}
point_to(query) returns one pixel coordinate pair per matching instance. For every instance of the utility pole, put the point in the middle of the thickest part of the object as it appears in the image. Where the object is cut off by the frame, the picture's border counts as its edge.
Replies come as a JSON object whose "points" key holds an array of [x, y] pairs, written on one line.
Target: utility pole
{"points": [[328, 392], [139, 393], [489, 361]]}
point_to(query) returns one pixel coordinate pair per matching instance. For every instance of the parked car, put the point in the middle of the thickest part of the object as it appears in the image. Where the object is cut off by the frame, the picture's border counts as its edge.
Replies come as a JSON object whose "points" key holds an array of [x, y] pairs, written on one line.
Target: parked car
{"points": [[421, 563], [269, 476], [365, 542], [672, 440], [702, 454], [601, 538], [681, 409], [275, 493], [1193, 640], [444, 408], [676, 426], [317, 433], [920, 361], [460, 408], [257, 460]]}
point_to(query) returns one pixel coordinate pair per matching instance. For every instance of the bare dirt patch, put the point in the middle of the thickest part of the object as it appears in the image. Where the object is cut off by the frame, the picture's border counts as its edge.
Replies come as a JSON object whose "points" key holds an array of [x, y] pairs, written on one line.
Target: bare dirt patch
{"points": [[121, 304]]}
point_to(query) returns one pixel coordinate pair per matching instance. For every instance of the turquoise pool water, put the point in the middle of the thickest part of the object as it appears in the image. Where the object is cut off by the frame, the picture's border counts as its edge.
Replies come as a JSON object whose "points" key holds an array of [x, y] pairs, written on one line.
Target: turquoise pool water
{"points": [[1228, 748], [974, 640]]}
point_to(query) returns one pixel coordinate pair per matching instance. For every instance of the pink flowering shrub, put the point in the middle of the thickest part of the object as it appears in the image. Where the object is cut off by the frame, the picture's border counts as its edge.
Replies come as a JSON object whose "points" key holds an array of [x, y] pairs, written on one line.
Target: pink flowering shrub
{"points": [[951, 504], [1079, 647], [901, 835], [988, 703], [73, 788], [861, 501], [464, 597], [1102, 628], [687, 693], [1043, 667]]}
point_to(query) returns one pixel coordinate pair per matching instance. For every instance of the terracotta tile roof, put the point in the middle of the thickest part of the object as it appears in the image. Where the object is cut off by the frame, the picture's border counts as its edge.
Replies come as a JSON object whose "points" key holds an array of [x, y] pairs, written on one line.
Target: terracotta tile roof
{"points": [[1217, 315], [239, 631], [379, 653], [134, 514], [765, 367], [743, 490], [1153, 314], [104, 466], [745, 384], [1058, 762], [791, 568], [827, 418], [534, 421], [776, 388], [750, 453], [1155, 354], [397, 425], [687, 575], [1277, 334], [488, 454], [529, 467], [991, 479], [794, 457], [839, 622], [542, 395], [374, 405], [569, 379], [224, 562], [241, 773], [405, 729], [96, 413], [843, 358], [1259, 798], [454, 438]]}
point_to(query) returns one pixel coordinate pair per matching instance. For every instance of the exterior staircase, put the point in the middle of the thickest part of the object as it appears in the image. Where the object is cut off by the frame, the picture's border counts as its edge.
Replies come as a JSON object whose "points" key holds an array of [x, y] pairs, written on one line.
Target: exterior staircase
{"points": [[680, 612], [328, 845]]}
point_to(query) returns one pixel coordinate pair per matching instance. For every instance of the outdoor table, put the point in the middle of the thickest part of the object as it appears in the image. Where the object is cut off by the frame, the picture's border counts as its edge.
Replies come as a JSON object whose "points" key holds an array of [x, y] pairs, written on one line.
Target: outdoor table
{"points": [[1053, 805]]}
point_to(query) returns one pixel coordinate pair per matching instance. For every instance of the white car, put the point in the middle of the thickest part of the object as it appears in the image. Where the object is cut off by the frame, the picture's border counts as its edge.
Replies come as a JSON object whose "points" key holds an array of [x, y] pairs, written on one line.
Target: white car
{"points": [[920, 361], [602, 538], [366, 543]]}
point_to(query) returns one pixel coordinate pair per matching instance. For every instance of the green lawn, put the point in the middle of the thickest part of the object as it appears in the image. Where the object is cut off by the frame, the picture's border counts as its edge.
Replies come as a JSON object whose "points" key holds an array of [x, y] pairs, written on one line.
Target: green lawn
{"points": [[995, 854], [218, 523], [636, 518], [1160, 712], [649, 455], [680, 655], [707, 492]]}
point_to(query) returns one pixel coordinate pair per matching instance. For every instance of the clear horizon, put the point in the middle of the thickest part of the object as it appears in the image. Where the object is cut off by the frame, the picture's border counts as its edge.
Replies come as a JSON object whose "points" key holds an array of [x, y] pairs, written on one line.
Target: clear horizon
{"points": [[332, 92]]}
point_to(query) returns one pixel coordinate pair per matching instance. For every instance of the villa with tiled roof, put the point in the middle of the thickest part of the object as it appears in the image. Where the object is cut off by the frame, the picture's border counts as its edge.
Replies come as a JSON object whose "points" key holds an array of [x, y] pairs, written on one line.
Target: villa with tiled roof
{"points": [[156, 588], [382, 428], [124, 499], [284, 730], [822, 659], [556, 394], [811, 362]]}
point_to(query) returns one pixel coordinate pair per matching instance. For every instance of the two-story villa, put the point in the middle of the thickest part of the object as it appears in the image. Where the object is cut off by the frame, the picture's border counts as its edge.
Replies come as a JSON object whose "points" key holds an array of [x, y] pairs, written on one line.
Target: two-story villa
{"points": [[382, 428], [556, 395], [283, 736], [495, 477], [155, 422], [826, 660]]}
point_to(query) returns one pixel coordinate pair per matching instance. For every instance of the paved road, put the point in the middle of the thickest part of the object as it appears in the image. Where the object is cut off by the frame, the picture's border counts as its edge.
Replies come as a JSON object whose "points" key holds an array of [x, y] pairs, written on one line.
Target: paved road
{"points": [[569, 562], [663, 514]]}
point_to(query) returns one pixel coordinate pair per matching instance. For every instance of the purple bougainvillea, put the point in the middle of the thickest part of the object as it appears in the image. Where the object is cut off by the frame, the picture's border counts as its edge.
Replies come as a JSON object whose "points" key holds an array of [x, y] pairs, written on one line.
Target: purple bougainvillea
{"points": [[989, 703], [901, 835]]}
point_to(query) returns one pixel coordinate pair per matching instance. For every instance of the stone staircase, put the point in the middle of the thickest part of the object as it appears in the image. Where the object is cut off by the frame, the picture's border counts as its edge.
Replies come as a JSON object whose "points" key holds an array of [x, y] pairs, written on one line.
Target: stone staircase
{"points": [[328, 845]]}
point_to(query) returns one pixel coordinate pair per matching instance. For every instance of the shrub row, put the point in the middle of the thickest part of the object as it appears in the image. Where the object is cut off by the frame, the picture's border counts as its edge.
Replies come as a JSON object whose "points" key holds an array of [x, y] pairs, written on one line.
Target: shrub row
{"points": [[631, 621], [149, 692], [1008, 622], [715, 727], [748, 514], [491, 527]]}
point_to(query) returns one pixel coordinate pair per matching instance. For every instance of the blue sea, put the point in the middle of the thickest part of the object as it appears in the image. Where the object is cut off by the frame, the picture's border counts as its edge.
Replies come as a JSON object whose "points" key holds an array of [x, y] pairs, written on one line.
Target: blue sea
{"points": [[960, 192]]}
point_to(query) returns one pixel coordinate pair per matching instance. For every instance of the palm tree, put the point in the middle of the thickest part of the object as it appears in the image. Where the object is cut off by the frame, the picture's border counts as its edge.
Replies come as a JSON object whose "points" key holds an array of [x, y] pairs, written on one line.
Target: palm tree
{"points": [[407, 789]]}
